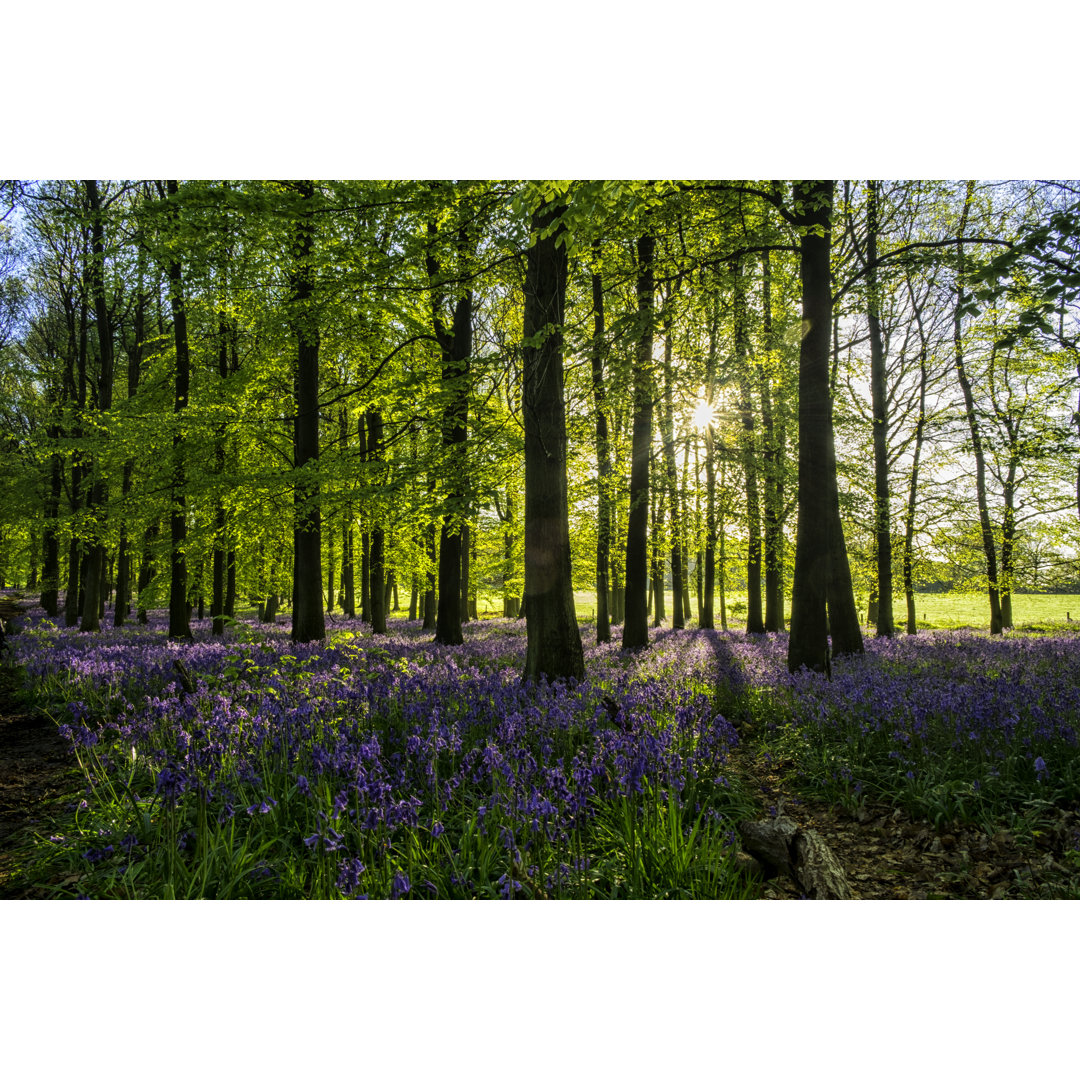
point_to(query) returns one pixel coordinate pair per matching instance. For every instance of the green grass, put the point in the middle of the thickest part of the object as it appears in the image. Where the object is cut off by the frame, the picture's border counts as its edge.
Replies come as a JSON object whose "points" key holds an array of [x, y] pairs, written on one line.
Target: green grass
{"points": [[933, 611]]}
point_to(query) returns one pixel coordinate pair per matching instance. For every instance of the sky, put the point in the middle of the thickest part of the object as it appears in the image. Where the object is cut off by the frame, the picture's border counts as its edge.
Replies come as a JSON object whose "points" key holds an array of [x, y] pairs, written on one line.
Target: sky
{"points": [[570, 88]]}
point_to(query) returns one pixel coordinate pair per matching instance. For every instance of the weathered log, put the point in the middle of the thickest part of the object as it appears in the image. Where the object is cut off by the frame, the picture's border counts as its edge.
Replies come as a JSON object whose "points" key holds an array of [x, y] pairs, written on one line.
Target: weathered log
{"points": [[817, 869], [800, 853], [769, 842]]}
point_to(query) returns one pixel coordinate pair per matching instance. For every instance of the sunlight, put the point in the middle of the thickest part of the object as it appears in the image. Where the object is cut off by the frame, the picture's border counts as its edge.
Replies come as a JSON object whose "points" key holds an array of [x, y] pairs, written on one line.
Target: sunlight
{"points": [[704, 414]]}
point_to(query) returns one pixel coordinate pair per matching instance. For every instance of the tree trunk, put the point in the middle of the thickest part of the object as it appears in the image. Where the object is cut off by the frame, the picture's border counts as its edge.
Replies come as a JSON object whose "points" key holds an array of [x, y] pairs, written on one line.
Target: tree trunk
{"points": [[553, 645], [455, 346], [466, 534], [920, 431], [429, 593], [50, 573], [308, 622], [882, 526], [755, 624], [603, 463], [378, 591], [656, 560], [820, 555], [973, 424], [774, 534], [678, 613], [178, 600], [97, 497], [636, 624], [147, 571]]}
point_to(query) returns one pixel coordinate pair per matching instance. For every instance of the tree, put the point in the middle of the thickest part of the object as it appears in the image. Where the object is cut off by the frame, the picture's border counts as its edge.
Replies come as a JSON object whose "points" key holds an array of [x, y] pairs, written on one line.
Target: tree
{"points": [[308, 621], [636, 624], [822, 584], [553, 646]]}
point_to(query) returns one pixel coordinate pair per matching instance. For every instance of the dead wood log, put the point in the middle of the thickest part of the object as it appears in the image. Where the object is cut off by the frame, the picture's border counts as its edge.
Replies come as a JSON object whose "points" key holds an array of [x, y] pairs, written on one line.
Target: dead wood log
{"points": [[817, 869], [800, 853]]}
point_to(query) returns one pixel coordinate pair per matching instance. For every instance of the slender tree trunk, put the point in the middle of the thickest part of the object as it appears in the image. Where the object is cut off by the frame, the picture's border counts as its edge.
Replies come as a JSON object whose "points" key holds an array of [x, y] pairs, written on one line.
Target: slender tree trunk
{"points": [[774, 535], [455, 346], [50, 574], [308, 622], [603, 463], [656, 559], [636, 625], [97, 497], [973, 424], [147, 570], [378, 591], [331, 565], [466, 533], [755, 623], [429, 593], [721, 553], [822, 586], [178, 586], [920, 432], [1008, 531], [882, 526], [707, 608], [348, 583], [553, 647], [684, 520], [678, 615], [365, 571]]}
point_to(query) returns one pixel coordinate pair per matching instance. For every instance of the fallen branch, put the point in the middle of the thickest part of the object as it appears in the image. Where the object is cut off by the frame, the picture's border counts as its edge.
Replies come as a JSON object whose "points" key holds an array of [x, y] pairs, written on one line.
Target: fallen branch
{"points": [[785, 848]]}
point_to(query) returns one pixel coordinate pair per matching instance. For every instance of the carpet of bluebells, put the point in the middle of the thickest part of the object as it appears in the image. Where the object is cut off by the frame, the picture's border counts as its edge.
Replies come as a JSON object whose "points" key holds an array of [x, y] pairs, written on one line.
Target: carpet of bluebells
{"points": [[387, 767], [390, 767]]}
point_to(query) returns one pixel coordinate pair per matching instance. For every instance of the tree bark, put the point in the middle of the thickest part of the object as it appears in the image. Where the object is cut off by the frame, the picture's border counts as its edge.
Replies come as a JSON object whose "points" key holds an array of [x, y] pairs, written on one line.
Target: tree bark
{"points": [[378, 591], [913, 487], [973, 424], [882, 526], [636, 619], [308, 621], [755, 624], [603, 463], [553, 641], [455, 346], [97, 498], [774, 498], [822, 585], [678, 613], [179, 627]]}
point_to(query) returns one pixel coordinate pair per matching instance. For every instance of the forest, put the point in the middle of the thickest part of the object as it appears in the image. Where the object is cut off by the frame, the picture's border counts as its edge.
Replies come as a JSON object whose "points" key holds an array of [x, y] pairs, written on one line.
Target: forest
{"points": [[501, 536]]}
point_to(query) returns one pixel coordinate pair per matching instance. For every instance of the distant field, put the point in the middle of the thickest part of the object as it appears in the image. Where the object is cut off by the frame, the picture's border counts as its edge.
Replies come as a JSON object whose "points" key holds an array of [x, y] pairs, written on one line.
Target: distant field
{"points": [[933, 610]]}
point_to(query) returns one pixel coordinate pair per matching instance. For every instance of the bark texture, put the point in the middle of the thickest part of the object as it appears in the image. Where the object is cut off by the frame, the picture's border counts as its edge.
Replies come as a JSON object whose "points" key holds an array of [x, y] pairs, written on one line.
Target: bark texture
{"points": [[553, 646]]}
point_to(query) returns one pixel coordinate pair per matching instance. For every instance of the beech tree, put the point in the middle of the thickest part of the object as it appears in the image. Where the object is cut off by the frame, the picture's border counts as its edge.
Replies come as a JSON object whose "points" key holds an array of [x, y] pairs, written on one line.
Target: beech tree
{"points": [[553, 646]]}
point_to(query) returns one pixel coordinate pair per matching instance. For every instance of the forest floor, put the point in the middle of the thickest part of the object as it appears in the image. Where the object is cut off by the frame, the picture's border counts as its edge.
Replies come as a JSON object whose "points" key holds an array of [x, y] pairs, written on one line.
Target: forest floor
{"points": [[885, 853], [888, 855], [37, 776]]}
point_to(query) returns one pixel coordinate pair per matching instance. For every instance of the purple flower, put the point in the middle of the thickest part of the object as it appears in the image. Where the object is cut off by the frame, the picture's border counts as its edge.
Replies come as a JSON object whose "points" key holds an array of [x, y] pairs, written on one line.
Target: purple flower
{"points": [[1041, 771], [349, 871], [400, 886]]}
